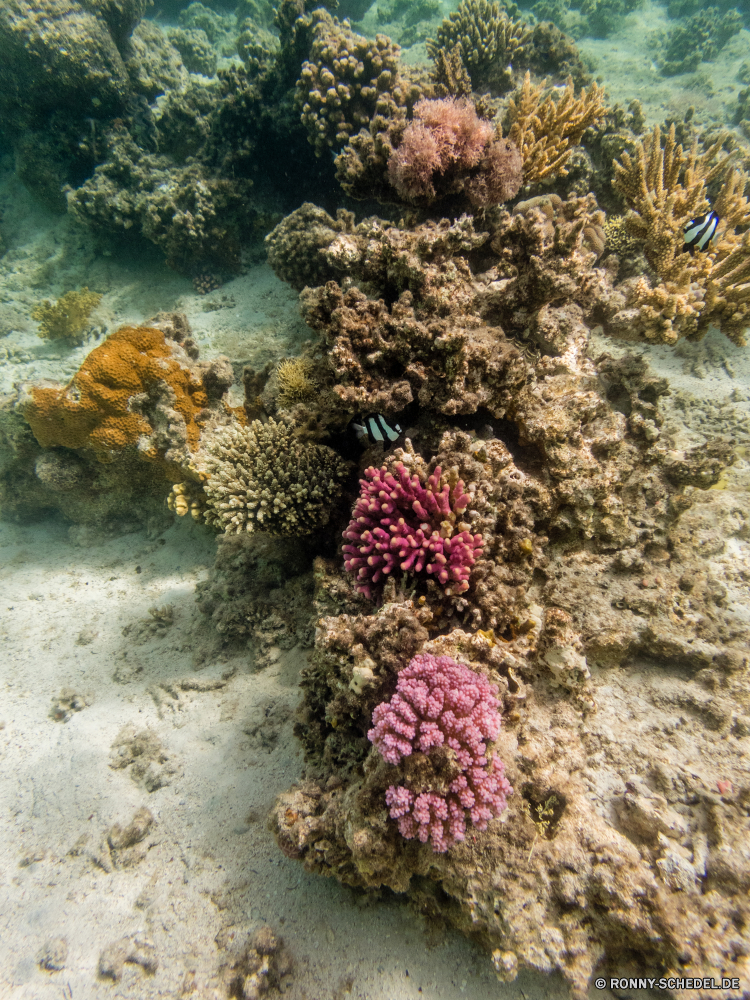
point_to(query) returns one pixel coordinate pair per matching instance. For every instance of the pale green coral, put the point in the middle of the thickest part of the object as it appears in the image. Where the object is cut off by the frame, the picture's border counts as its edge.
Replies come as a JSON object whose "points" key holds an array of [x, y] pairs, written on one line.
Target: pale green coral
{"points": [[66, 319]]}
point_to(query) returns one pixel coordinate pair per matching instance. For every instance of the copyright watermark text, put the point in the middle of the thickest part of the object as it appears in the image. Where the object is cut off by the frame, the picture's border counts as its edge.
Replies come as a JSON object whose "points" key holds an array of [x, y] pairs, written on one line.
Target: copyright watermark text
{"points": [[672, 983]]}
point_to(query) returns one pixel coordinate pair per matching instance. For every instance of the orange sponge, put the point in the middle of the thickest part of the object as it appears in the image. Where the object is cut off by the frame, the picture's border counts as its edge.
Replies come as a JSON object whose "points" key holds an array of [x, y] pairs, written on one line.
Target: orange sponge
{"points": [[95, 409]]}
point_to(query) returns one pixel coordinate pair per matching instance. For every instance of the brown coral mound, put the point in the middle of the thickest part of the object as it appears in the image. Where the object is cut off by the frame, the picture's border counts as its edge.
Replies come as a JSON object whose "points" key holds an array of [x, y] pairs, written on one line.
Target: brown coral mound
{"points": [[440, 149]]}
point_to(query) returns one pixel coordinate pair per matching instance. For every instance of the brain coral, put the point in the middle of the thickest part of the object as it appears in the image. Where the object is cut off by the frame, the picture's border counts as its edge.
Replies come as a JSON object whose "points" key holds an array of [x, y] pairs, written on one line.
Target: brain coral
{"points": [[263, 478], [95, 410]]}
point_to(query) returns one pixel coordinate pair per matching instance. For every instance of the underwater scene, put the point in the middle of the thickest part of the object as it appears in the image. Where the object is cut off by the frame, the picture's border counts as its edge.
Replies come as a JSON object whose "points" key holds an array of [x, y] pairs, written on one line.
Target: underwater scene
{"points": [[374, 499]]}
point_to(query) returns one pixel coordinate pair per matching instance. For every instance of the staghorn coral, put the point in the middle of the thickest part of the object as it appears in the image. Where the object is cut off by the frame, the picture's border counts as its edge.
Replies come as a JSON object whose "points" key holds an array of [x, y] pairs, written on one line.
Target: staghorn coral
{"points": [[664, 187], [445, 713], [545, 128], [485, 40], [699, 39], [447, 146], [261, 477], [68, 318], [402, 523]]}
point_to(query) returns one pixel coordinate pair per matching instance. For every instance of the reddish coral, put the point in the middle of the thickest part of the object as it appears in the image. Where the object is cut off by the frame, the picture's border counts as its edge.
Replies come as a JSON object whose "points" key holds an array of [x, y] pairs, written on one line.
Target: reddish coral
{"points": [[401, 523], [94, 410], [442, 704], [447, 149]]}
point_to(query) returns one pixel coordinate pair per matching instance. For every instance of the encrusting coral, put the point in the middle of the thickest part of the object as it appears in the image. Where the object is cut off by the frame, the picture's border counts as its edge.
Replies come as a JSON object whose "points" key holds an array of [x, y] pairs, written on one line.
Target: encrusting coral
{"points": [[102, 407], [67, 318], [665, 187], [261, 477]]}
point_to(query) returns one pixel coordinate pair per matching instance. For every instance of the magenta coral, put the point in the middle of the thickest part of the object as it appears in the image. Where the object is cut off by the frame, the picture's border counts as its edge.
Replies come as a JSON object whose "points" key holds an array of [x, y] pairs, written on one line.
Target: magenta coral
{"points": [[441, 703], [448, 146], [401, 523]]}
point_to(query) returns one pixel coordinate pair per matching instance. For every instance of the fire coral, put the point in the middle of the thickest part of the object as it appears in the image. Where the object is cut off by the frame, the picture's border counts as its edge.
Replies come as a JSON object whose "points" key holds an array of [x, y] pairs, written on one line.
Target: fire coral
{"points": [[447, 711], [401, 523], [449, 149]]}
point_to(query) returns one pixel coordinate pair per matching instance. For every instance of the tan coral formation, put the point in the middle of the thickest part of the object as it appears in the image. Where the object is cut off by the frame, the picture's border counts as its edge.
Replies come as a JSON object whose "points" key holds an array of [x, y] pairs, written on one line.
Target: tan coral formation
{"points": [[665, 187], [261, 477]]}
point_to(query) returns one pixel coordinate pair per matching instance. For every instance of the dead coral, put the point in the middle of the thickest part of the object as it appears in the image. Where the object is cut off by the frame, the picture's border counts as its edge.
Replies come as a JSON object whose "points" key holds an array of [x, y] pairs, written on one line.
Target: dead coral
{"points": [[293, 245], [545, 126], [255, 966], [665, 187]]}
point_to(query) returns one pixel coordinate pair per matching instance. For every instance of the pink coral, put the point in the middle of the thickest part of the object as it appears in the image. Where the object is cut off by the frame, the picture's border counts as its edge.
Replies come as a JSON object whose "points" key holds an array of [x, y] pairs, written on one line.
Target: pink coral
{"points": [[441, 703], [401, 523], [449, 147]]}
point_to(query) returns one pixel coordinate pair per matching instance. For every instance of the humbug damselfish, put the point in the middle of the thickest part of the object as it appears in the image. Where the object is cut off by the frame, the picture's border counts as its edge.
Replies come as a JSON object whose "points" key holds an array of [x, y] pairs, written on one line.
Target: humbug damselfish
{"points": [[701, 232], [376, 429]]}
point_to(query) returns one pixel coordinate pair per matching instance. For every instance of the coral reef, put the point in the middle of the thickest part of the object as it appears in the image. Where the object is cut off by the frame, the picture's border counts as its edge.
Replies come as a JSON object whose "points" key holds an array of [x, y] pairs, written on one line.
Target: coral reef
{"points": [[66, 319], [261, 477], [293, 245], [443, 713], [665, 187], [401, 523], [485, 40], [296, 380], [447, 144], [195, 48]]}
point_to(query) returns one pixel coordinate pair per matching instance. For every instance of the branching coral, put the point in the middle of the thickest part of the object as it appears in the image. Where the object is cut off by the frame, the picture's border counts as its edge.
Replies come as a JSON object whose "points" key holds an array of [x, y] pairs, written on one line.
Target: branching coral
{"points": [[665, 187], [485, 40], [545, 128], [401, 523], [442, 705], [261, 477], [296, 380], [447, 148], [68, 318]]}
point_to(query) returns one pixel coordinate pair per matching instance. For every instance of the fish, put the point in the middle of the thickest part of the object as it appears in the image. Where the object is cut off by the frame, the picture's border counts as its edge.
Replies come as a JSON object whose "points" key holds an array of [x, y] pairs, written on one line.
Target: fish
{"points": [[376, 429], [701, 232]]}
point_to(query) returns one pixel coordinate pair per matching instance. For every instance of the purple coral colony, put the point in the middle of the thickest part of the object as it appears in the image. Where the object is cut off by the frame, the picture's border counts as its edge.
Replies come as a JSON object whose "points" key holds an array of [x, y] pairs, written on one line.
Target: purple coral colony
{"points": [[503, 248]]}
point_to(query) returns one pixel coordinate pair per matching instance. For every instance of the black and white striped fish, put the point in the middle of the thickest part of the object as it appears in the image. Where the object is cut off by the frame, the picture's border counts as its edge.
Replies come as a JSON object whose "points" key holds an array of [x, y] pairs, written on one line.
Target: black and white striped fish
{"points": [[376, 429], [701, 232]]}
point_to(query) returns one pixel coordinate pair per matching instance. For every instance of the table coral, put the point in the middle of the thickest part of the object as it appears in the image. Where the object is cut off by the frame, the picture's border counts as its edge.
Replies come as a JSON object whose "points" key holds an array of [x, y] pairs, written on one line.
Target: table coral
{"points": [[96, 410], [402, 523], [440, 705]]}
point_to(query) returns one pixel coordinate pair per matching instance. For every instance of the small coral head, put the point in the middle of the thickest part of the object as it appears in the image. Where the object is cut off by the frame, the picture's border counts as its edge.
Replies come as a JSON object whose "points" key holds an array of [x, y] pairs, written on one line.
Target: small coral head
{"points": [[401, 524], [441, 704]]}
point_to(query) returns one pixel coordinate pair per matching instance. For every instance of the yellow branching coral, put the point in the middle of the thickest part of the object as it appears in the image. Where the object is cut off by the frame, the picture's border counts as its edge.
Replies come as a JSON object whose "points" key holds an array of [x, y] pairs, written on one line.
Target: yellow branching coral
{"points": [[545, 128], [68, 318], [665, 187], [296, 380]]}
